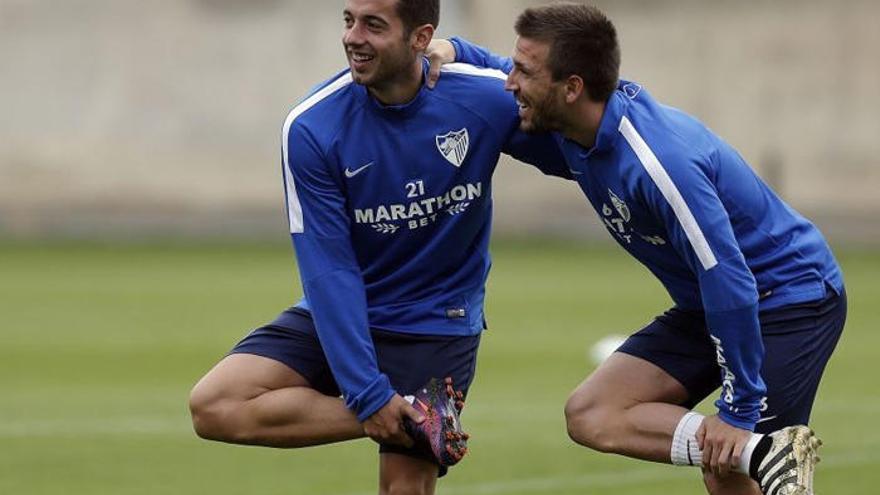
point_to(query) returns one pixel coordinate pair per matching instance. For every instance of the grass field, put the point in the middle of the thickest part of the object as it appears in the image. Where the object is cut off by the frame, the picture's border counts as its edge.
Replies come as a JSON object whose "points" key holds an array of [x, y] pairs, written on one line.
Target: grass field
{"points": [[99, 346]]}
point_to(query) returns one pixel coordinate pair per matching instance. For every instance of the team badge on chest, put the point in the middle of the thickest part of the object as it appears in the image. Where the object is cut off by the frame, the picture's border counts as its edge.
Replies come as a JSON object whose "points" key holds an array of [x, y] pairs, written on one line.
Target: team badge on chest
{"points": [[454, 146]]}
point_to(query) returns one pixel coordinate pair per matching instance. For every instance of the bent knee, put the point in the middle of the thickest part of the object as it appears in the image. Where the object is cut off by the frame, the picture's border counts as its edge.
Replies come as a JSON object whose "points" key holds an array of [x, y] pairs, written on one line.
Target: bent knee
{"points": [[590, 424], [211, 414]]}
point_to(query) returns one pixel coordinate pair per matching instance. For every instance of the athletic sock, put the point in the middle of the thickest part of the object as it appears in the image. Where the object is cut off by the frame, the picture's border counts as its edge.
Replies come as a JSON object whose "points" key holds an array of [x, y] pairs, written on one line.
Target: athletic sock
{"points": [[762, 447], [685, 449]]}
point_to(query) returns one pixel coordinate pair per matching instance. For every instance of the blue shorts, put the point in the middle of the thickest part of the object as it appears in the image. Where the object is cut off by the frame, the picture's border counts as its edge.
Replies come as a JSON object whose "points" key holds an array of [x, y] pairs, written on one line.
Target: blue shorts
{"points": [[408, 360], [798, 341]]}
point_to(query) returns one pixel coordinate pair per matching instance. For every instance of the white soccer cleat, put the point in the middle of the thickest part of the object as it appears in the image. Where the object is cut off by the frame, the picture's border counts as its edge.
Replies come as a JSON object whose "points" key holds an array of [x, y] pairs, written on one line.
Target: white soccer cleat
{"points": [[788, 467]]}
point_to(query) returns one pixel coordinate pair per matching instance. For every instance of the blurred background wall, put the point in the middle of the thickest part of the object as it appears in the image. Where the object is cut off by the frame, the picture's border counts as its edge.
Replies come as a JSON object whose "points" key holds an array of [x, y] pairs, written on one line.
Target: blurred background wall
{"points": [[123, 118]]}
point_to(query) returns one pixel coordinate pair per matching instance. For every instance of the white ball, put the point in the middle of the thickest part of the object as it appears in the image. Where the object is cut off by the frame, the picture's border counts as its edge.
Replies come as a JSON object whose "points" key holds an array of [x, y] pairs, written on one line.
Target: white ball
{"points": [[604, 347]]}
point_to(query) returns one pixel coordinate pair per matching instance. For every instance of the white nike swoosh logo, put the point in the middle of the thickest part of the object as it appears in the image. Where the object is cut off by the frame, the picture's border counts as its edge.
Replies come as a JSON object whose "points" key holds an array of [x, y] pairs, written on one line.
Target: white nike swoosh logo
{"points": [[575, 172], [351, 173], [768, 418]]}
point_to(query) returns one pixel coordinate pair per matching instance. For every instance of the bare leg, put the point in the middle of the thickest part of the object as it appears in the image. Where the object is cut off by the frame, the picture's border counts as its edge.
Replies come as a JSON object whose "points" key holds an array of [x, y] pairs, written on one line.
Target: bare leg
{"points": [[628, 407], [403, 475], [249, 399]]}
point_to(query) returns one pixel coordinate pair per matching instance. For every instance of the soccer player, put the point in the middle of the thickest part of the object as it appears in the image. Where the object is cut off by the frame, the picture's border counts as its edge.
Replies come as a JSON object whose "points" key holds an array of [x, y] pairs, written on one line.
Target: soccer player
{"points": [[759, 298], [388, 188]]}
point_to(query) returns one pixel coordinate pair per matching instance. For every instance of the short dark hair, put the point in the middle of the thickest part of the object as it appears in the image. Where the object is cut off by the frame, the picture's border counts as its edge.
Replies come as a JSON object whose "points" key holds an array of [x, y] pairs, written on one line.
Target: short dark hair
{"points": [[582, 40], [415, 13]]}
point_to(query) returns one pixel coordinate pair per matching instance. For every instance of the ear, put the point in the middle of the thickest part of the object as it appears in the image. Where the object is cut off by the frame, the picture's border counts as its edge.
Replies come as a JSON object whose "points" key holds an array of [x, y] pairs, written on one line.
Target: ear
{"points": [[574, 88], [421, 37]]}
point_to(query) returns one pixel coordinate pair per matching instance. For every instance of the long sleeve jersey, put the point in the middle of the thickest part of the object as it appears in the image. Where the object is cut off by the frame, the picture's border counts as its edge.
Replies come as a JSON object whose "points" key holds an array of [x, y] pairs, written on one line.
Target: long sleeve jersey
{"points": [[686, 205], [390, 212]]}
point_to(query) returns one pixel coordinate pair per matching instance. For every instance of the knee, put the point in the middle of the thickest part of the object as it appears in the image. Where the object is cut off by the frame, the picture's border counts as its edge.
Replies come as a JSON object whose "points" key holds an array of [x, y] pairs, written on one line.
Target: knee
{"points": [[590, 424], [210, 414]]}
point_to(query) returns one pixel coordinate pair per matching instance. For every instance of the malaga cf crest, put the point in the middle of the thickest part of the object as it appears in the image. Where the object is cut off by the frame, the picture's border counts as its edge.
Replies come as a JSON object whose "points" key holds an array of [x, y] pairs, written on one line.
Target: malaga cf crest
{"points": [[454, 146]]}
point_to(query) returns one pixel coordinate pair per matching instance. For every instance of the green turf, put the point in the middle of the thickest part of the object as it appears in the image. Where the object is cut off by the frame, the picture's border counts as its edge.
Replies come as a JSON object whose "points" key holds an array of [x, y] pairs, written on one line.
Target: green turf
{"points": [[99, 346]]}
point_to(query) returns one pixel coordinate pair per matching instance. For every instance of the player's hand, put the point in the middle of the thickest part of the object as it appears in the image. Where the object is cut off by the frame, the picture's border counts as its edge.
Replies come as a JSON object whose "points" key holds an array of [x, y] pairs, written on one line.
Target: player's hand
{"points": [[386, 424], [722, 445], [439, 52]]}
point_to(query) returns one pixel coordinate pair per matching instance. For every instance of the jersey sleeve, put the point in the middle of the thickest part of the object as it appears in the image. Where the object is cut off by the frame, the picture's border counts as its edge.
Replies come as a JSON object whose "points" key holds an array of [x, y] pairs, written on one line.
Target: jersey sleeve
{"points": [[685, 200], [541, 150], [331, 277], [469, 53]]}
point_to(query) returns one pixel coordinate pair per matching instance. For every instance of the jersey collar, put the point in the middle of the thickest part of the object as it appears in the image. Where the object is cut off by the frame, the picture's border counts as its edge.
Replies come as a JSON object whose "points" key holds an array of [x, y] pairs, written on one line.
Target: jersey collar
{"points": [[615, 108], [397, 111]]}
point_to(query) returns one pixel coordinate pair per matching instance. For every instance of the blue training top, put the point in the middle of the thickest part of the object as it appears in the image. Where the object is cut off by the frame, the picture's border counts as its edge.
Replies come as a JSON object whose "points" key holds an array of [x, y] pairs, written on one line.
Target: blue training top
{"points": [[390, 212], [685, 204]]}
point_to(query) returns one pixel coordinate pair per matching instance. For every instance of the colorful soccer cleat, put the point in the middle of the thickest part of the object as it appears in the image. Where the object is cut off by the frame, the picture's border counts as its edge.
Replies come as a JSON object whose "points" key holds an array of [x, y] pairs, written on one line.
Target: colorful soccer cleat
{"points": [[440, 434], [787, 469]]}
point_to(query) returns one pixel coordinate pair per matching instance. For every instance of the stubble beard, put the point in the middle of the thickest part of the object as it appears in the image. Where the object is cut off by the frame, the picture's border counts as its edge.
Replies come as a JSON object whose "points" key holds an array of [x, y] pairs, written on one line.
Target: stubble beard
{"points": [[545, 117]]}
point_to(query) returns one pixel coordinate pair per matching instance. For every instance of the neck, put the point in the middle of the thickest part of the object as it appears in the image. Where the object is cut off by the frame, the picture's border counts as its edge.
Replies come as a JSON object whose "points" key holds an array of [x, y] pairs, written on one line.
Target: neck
{"points": [[583, 127], [402, 88]]}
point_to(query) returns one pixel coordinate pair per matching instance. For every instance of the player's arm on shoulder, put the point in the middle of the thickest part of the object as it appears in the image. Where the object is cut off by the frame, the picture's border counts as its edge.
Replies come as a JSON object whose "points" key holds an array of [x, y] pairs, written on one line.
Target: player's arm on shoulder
{"points": [[474, 54], [446, 51], [330, 274], [439, 53], [681, 193]]}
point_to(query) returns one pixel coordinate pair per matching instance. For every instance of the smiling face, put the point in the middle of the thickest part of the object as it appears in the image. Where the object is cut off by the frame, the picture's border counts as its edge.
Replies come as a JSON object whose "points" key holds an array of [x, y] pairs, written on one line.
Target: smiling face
{"points": [[540, 98], [378, 49]]}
